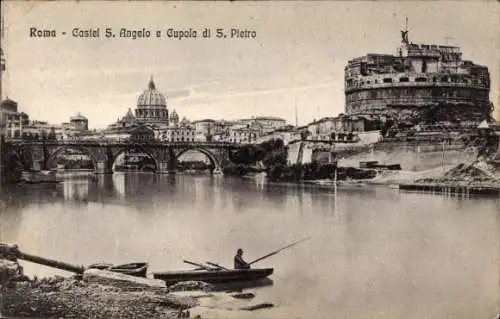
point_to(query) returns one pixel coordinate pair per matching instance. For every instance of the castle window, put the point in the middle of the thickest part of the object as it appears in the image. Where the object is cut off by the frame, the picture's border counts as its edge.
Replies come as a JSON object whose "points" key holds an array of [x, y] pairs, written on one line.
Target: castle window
{"points": [[421, 79], [387, 80], [403, 79]]}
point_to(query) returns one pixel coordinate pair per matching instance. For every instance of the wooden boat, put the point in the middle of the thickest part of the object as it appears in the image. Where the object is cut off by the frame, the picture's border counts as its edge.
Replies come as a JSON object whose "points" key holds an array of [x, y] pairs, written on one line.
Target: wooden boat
{"points": [[213, 276], [131, 269], [41, 177]]}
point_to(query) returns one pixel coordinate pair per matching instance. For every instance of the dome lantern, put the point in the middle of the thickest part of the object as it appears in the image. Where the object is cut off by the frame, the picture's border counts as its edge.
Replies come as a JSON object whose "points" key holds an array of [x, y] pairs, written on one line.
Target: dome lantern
{"points": [[152, 84]]}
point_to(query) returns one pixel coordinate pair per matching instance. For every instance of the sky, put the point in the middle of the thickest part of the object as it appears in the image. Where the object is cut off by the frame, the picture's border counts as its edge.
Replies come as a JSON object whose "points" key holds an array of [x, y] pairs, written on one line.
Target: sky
{"points": [[296, 60]]}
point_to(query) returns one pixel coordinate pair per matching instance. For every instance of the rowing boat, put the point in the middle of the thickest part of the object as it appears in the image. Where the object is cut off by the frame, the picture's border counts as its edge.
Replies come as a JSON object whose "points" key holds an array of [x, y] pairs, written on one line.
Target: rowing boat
{"points": [[213, 276], [131, 269]]}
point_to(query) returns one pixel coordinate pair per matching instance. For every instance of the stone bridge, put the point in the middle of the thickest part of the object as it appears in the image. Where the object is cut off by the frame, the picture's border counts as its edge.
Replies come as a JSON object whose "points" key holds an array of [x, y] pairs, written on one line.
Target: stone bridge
{"points": [[40, 155]]}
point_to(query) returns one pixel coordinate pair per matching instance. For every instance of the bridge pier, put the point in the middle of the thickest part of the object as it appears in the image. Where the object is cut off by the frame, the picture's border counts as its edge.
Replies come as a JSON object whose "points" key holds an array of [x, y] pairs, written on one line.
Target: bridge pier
{"points": [[165, 168], [217, 171], [102, 167], [36, 166]]}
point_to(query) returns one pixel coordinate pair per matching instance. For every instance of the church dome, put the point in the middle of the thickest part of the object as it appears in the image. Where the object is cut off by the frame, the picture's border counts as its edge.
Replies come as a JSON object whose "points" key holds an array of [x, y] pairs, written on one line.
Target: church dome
{"points": [[151, 98], [9, 105], [129, 115], [78, 117], [174, 116]]}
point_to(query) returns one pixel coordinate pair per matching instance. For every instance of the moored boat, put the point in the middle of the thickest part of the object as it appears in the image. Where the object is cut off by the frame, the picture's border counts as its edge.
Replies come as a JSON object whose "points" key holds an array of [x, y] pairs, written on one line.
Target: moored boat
{"points": [[131, 269], [213, 276], [41, 177]]}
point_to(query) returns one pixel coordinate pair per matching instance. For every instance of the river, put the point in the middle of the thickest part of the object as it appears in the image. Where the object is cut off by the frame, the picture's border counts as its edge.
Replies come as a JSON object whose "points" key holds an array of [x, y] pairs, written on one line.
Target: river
{"points": [[374, 252]]}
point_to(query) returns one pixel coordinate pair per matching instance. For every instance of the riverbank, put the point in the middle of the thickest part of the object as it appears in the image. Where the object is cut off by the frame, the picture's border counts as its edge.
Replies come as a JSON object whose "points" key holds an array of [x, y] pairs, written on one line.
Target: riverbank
{"points": [[94, 297], [477, 175], [71, 298], [96, 293]]}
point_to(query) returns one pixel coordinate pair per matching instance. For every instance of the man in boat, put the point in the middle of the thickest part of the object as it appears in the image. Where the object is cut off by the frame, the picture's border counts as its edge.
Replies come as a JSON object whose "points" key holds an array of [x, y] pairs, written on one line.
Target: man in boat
{"points": [[239, 263]]}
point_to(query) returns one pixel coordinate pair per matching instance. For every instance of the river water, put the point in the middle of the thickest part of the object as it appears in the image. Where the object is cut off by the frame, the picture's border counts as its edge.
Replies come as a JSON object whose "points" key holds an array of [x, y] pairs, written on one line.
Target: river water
{"points": [[374, 252]]}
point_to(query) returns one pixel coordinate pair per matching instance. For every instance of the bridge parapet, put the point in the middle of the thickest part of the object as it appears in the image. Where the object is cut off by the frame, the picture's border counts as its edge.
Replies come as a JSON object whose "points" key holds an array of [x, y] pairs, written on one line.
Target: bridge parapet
{"points": [[122, 143], [41, 154]]}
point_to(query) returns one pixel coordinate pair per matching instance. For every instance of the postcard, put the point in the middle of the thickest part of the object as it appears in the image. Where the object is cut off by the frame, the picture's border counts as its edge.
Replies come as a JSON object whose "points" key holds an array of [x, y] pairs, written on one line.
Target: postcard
{"points": [[260, 159]]}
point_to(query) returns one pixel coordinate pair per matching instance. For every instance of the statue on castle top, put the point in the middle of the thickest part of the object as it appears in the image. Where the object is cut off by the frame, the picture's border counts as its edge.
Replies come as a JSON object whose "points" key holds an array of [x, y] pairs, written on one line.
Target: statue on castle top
{"points": [[404, 36]]}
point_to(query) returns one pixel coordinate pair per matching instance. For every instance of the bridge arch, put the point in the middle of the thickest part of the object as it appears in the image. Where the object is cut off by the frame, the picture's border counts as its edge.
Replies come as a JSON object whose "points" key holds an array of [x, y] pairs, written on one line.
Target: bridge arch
{"points": [[211, 156], [134, 148], [59, 150]]}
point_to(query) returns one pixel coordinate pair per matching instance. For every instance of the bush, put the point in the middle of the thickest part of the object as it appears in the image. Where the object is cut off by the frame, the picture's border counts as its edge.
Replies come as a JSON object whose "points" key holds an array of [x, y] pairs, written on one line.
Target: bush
{"points": [[272, 152]]}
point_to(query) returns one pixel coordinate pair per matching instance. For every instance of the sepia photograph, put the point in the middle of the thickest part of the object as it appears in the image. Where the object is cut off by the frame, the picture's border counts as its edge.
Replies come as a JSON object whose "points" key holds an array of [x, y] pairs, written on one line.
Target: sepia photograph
{"points": [[250, 159]]}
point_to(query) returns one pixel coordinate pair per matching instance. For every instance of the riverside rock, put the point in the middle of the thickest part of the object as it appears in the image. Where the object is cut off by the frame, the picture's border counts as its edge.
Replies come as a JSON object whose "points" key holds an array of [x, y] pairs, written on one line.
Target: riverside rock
{"points": [[9, 270], [123, 281], [191, 286]]}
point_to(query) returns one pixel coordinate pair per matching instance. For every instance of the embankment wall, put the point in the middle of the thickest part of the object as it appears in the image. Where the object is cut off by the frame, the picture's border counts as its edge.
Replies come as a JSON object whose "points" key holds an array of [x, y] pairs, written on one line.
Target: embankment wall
{"points": [[412, 157]]}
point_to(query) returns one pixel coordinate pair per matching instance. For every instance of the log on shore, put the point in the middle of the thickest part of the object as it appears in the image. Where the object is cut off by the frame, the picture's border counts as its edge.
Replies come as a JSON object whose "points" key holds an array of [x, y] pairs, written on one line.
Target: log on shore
{"points": [[258, 306]]}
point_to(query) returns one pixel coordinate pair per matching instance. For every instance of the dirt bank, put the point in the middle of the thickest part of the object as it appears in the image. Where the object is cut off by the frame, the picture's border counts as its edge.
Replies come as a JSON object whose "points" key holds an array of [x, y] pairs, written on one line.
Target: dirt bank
{"points": [[103, 294], [478, 173], [71, 298]]}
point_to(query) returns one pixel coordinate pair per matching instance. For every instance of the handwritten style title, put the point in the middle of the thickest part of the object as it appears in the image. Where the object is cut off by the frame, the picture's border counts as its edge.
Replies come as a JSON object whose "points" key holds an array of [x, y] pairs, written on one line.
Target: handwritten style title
{"points": [[170, 33]]}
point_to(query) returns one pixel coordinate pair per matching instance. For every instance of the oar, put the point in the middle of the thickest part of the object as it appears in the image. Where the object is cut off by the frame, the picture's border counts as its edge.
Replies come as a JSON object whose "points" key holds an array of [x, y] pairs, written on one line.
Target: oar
{"points": [[198, 265], [216, 265], [277, 251]]}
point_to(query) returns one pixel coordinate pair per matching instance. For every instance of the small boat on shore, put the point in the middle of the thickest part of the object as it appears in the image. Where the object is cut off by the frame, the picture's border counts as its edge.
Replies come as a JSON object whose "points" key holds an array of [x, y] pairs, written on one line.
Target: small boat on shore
{"points": [[41, 177], [131, 269], [213, 276]]}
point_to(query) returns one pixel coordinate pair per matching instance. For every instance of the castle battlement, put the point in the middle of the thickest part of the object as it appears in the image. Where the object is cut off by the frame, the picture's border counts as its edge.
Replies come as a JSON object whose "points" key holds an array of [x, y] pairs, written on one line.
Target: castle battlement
{"points": [[417, 76]]}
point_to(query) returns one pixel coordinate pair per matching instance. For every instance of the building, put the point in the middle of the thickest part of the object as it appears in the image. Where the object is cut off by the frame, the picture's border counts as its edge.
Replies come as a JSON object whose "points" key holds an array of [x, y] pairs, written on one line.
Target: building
{"points": [[267, 123], [152, 106], [287, 134], [323, 128], [142, 133], [117, 133], [421, 82], [79, 122], [12, 122], [205, 127], [173, 119], [128, 120], [39, 129], [179, 134], [243, 134]]}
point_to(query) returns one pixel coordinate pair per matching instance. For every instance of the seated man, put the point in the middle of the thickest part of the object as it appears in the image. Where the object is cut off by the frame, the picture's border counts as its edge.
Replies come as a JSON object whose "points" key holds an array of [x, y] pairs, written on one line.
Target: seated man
{"points": [[239, 263]]}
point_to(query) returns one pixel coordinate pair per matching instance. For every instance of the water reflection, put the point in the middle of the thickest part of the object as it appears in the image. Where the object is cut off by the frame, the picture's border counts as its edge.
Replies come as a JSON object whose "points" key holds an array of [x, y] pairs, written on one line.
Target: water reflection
{"points": [[76, 191], [387, 254]]}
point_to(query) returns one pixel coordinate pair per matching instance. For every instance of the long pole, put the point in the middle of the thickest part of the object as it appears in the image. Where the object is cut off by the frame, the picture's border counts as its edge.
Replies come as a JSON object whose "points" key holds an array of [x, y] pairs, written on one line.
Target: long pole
{"points": [[51, 263], [198, 265], [442, 157], [277, 251]]}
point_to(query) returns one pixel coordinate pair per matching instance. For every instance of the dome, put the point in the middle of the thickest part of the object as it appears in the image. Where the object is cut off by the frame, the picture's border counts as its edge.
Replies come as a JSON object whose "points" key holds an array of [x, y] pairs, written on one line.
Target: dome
{"points": [[78, 117], [9, 104], [129, 115], [151, 98], [174, 116]]}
